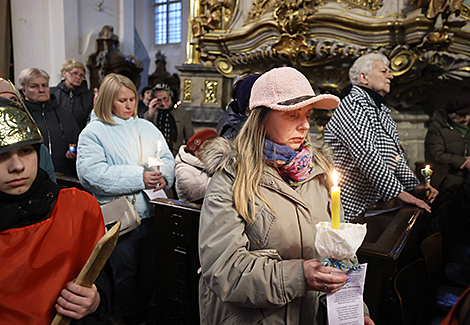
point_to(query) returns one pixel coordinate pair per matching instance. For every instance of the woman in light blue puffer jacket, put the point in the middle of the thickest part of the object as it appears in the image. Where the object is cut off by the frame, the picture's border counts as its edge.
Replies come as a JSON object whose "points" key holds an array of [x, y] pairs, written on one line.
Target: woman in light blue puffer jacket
{"points": [[108, 165]]}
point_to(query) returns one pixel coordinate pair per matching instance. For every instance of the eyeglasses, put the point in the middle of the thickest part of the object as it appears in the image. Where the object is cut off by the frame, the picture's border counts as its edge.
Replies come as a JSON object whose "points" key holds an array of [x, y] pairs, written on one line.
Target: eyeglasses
{"points": [[164, 99], [77, 74]]}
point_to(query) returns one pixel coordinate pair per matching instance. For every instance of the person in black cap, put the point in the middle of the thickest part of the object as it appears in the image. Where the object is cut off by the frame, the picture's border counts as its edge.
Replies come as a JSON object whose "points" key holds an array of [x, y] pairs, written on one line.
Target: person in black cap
{"points": [[447, 141], [235, 116], [146, 96]]}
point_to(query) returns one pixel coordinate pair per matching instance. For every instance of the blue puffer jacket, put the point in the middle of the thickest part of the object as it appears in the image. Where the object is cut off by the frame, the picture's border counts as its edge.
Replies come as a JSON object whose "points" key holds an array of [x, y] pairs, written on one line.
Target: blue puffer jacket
{"points": [[108, 159]]}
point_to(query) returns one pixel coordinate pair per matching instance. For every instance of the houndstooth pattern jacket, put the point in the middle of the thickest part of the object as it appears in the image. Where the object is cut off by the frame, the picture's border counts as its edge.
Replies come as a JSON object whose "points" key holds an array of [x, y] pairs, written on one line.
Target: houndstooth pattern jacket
{"points": [[368, 156]]}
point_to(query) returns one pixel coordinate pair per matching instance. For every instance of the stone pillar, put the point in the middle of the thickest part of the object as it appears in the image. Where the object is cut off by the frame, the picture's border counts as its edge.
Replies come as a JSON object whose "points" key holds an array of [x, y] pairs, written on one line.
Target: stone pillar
{"points": [[411, 130], [203, 93]]}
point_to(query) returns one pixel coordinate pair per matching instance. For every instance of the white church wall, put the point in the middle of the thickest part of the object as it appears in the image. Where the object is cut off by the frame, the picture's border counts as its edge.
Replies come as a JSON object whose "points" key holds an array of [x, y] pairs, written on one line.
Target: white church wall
{"points": [[144, 22], [47, 32]]}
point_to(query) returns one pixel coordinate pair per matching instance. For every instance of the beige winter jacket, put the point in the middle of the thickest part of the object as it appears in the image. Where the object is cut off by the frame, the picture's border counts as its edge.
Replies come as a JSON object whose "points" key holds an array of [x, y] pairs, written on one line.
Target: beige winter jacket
{"points": [[253, 273]]}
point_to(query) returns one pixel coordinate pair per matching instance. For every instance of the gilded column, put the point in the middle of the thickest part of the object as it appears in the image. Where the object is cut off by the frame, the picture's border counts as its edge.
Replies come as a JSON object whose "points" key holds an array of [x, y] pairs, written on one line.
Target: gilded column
{"points": [[192, 55]]}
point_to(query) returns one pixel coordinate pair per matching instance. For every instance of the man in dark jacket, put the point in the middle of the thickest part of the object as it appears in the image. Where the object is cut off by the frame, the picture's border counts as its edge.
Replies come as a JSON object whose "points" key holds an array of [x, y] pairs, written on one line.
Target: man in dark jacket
{"points": [[72, 92], [57, 125], [447, 141]]}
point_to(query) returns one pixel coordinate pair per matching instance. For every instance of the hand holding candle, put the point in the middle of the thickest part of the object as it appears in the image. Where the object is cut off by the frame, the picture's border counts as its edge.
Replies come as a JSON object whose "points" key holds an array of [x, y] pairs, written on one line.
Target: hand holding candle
{"points": [[427, 172], [335, 202], [156, 162]]}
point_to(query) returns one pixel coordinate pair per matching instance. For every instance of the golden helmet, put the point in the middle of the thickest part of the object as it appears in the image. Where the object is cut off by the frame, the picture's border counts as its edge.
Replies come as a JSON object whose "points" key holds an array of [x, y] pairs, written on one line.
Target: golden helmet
{"points": [[17, 127]]}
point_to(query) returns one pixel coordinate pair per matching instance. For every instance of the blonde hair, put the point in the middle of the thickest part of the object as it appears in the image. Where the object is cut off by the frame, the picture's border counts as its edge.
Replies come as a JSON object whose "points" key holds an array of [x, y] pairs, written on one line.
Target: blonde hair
{"points": [[107, 93], [27, 74], [249, 146], [70, 64]]}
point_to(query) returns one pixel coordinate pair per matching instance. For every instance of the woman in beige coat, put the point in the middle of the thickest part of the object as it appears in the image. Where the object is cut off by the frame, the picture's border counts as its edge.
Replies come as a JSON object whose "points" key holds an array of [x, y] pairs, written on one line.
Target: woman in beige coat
{"points": [[257, 229]]}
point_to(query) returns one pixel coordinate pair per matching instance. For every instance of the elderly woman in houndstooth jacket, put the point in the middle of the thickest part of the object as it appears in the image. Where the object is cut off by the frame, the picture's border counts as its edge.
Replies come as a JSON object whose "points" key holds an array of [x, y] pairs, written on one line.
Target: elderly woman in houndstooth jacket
{"points": [[365, 143]]}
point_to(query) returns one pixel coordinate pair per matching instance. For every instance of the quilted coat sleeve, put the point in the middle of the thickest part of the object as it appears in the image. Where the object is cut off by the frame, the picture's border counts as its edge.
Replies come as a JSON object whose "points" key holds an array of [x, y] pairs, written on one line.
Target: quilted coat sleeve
{"points": [[191, 183], [100, 177], [233, 273], [359, 137], [435, 144]]}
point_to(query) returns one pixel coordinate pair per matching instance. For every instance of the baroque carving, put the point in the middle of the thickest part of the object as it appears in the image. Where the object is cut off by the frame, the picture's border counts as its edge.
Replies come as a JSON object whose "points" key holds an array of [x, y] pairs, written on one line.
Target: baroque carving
{"points": [[294, 17], [210, 91], [443, 12], [260, 8], [217, 14], [417, 69], [187, 90], [370, 5]]}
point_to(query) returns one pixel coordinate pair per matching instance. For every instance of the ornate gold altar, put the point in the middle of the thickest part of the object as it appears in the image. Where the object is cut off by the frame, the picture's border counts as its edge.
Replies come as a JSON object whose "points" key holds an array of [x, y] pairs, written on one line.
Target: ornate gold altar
{"points": [[427, 42]]}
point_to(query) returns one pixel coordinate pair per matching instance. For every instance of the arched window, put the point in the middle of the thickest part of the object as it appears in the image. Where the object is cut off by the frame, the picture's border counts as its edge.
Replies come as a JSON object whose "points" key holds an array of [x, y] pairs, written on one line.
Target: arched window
{"points": [[167, 22]]}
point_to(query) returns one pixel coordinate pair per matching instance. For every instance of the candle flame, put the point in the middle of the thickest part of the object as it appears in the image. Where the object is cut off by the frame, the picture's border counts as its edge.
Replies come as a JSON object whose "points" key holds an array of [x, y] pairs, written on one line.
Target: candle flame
{"points": [[427, 167], [335, 177]]}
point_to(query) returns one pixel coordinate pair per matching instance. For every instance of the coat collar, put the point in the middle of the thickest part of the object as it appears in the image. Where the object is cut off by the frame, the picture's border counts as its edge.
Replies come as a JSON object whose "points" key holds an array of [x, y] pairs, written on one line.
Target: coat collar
{"points": [[273, 181], [119, 121]]}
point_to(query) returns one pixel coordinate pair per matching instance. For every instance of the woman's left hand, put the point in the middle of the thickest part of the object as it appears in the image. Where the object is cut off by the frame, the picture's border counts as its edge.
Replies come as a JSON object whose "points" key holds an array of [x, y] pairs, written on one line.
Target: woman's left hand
{"points": [[70, 155], [422, 189], [368, 321], [319, 277], [154, 180], [76, 301]]}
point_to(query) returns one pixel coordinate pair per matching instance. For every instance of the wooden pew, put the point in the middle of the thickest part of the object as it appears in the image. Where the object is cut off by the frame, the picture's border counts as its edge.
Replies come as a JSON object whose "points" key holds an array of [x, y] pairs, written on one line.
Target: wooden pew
{"points": [[176, 295]]}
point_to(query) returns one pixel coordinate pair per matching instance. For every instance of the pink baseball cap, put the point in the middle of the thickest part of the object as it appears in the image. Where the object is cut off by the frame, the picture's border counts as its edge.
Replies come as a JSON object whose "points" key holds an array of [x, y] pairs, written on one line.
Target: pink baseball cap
{"points": [[287, 89]]}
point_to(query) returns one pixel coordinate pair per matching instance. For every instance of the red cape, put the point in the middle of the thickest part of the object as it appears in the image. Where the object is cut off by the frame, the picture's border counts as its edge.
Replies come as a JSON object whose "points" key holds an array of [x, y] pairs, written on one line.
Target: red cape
{"points": [[37, 261]]}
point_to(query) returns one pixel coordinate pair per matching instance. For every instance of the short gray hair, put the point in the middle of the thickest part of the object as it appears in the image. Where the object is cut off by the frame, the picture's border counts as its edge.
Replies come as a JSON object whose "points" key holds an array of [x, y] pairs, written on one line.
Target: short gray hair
{"points": [[27, 74], [365, 64]]}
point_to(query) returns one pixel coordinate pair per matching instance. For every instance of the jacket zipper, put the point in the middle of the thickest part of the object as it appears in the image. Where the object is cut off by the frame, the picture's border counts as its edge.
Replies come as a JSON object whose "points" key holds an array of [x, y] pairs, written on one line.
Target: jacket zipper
{"points": [[463, 136], [47, 128]]}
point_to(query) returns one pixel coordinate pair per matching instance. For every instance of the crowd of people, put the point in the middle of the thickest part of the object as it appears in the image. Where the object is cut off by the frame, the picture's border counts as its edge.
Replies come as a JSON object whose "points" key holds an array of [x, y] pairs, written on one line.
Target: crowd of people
{"points": [[263, 183]]}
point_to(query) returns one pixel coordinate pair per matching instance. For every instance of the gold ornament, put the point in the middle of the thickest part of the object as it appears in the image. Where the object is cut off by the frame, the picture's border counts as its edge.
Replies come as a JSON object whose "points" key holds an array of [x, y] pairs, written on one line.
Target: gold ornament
{"points": [[17, 128]]}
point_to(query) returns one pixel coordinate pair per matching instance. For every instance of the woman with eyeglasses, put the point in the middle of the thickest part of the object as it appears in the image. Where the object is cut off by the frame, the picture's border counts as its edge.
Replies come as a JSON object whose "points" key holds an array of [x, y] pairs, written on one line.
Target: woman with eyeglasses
{"points": [[72, 92], [173, 121]]}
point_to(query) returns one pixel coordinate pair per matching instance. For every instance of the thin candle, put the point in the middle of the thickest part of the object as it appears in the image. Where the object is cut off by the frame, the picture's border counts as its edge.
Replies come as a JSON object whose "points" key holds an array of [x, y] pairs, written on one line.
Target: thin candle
{"points": [[427, 172], [335, 202], [159, 148]]}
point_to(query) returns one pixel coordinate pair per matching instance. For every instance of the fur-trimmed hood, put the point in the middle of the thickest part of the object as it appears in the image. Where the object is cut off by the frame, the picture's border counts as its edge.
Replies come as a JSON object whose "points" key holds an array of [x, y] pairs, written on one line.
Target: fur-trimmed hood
{"points": [[218, 154]]}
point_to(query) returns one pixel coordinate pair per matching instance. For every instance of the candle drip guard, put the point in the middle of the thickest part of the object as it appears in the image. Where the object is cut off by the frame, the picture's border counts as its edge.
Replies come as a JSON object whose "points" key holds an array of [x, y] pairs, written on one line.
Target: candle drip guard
{"points": [[336, 245], [340, 265]]}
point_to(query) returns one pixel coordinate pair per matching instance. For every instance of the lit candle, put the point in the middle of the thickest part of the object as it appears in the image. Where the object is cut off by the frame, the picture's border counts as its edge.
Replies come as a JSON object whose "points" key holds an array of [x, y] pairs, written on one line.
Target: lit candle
{"points": [[159, 148], [427, 172], [335, 202]]}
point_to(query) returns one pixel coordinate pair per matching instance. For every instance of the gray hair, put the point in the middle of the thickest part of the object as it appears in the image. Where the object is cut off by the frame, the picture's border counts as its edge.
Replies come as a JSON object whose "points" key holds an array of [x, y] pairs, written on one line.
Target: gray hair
{"points": [[365, 64], [27, 74]]}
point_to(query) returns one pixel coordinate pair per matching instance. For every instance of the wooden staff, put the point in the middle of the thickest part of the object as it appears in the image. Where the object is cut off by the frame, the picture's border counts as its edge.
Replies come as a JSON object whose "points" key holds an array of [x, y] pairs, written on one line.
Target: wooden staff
{"points": [[87, 276]]}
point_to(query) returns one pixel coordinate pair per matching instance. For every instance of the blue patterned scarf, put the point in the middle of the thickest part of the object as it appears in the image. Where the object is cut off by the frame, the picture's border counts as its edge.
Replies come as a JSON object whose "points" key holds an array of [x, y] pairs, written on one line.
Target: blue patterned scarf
{"points": [[294, 166]]}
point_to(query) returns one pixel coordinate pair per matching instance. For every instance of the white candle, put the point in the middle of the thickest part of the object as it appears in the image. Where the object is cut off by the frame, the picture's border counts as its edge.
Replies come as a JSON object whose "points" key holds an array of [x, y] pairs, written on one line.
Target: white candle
{"points": [[159, 148]]}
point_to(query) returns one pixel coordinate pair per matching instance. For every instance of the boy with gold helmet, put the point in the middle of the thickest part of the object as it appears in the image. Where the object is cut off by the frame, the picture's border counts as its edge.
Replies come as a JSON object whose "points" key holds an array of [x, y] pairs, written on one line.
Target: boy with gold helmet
{"points": [[46, 234]]}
